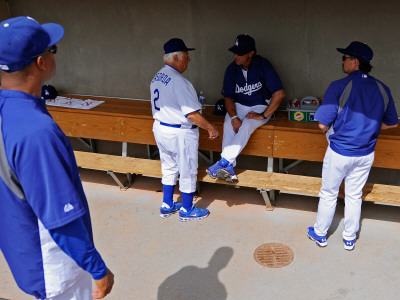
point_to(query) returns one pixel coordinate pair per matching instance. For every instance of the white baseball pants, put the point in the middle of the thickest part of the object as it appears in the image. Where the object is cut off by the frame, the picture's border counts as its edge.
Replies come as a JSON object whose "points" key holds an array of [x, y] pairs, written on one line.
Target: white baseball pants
{"points": [[355, 171], [178, 154], [233, 143]]}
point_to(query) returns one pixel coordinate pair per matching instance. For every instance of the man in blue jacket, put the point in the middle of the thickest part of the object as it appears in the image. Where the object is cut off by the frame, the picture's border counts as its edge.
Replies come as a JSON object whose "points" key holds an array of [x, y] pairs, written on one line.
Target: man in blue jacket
{"points": [[352, 114], [45, 227]]}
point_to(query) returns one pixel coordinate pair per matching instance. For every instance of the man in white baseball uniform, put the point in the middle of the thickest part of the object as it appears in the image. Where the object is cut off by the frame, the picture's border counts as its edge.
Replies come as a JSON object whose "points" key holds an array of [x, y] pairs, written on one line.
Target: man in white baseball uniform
{"points": [[177, 116], [352, 114]]}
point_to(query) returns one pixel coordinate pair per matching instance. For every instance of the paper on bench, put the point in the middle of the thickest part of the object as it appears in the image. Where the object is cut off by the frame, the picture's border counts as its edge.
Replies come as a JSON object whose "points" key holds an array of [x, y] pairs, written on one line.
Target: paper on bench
{"points": [[74, 103]]}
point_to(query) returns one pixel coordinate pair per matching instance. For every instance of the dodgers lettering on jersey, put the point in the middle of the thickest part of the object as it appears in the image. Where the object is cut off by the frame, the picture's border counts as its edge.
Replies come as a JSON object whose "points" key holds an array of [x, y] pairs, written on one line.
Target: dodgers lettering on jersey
{"points": [[248, 89], [172, 97], [261, 82]]}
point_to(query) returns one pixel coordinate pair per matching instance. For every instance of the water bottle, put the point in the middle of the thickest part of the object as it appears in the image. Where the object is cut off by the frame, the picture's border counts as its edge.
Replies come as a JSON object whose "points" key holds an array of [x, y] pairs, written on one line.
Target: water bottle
{"points": [[202, 100]]}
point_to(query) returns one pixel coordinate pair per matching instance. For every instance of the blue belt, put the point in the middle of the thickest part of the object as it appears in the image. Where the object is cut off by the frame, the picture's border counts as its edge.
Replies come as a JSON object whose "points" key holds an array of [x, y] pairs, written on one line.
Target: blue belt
{"points": [[179, 126]]}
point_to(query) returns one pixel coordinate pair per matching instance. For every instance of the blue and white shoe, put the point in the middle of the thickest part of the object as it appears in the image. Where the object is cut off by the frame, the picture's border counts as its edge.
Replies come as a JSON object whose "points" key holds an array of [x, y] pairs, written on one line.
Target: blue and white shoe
{"points": [[320, 240], [349, 245], [228, 174], [212, 171], [166, 212], [193, 214]]}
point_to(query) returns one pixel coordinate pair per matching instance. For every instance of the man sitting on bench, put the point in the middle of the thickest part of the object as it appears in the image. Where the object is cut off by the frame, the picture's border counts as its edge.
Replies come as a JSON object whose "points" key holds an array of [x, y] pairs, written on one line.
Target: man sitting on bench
{"points": [[252, 91]]}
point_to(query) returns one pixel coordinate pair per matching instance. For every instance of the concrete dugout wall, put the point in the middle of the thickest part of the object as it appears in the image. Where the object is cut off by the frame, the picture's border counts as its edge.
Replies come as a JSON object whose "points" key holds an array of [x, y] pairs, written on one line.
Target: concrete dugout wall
{"points": [[114, 48]]}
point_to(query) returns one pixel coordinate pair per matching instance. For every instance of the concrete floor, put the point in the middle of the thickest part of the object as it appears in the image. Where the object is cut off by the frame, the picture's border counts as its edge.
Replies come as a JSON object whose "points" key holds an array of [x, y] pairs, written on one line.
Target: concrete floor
{"points": [[154, 258]]}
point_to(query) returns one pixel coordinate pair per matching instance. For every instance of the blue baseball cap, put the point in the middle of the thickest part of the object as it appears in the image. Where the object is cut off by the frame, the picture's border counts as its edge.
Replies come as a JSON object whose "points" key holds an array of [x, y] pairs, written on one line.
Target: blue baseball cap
{"points": [[243, 45], [175, 45], [22, 39], [359, 50]]}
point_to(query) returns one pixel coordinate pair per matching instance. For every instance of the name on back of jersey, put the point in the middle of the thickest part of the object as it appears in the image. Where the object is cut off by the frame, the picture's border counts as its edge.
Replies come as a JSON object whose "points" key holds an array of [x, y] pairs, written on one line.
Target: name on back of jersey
{"points": [[162, 77]]}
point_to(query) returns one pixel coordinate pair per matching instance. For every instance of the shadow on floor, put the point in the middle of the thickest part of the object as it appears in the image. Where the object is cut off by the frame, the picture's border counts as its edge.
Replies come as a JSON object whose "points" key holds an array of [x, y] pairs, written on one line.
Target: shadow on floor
{"points": [[196, 283]]}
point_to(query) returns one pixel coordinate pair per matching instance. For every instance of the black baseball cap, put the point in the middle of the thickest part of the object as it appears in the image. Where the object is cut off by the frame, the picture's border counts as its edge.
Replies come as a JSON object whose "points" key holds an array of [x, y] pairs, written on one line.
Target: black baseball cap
{"points": [[49, 92], [175, 45], [359, 50], [243, 45], [220, 108]]}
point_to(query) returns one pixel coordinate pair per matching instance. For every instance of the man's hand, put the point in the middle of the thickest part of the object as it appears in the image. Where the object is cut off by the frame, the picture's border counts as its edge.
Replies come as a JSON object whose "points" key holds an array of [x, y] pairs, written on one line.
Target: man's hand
{"points": [[323, 128], [231, 109], [254, 115], [213, 132], [236, 123], [103, 286], [384, 126]]}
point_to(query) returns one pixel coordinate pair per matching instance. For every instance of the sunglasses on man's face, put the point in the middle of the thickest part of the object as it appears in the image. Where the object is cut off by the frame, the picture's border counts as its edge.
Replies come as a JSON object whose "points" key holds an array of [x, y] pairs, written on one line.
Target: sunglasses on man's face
{"points": [[346, 57], [52, 50]]}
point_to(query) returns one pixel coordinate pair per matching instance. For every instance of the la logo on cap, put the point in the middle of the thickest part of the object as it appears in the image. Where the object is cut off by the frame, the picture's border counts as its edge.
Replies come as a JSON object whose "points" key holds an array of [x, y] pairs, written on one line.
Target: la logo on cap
{"points": [[237, 42]]}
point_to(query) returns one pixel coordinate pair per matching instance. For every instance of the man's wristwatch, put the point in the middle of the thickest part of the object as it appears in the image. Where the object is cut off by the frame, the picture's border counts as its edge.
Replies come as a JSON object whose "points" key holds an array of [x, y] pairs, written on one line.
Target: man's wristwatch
{"points": [[262, 115]]}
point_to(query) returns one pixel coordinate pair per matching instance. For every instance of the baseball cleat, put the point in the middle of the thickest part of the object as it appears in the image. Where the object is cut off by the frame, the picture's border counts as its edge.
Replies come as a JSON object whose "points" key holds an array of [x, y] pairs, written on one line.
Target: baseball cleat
{"points": [[212, 171], [320, 240], [349, 245], [193, 214], [227, 174], [166, 212]]}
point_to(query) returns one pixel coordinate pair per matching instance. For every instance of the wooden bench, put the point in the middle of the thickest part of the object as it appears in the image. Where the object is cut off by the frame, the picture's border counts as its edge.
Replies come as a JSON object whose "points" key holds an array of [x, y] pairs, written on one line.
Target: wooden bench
{"points": [[262, 181], [148, 167], [304, 141], [310, 186], [130, 121]]}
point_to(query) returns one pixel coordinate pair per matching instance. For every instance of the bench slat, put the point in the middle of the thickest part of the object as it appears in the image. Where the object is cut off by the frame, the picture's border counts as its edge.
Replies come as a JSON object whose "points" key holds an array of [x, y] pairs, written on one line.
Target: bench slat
{"points": [[287, 183], [382, 193], [310, 186], [249, 178], [149, 167], [118, 164], [296, 184]]}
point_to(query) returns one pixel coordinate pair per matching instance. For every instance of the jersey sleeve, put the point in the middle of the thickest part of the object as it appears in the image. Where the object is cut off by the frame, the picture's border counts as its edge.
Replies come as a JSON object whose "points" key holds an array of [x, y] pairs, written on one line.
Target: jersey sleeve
{"points": [[328, 110], [186, 96], [46, 168], [390, 116], [270, 77], [74, 239]]}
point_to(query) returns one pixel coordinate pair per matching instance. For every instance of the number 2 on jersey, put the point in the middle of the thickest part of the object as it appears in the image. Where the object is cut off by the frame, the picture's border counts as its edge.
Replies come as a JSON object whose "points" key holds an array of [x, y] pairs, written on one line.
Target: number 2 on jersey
{"points": [[156, 92]]}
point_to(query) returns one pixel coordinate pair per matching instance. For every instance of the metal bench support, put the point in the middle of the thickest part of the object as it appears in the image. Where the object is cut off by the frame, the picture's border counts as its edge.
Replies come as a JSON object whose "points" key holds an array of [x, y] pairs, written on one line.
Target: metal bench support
{"points": [[269, 202]]}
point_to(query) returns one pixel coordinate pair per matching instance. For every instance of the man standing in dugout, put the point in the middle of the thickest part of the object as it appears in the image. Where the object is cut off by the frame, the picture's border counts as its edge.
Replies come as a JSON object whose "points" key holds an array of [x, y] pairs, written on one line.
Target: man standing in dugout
{"points": [[45, 227], [177, 116], [252, 91], [352, 114]]}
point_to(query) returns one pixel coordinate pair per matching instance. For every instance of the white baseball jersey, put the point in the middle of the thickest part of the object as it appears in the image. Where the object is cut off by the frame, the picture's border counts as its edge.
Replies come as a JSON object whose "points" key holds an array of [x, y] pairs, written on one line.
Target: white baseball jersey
{"points": [[172, 97]]}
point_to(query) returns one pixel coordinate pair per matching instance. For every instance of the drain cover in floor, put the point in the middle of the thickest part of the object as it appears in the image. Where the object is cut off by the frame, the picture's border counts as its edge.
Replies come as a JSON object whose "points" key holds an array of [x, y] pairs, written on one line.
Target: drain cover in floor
{"points": [[273, 255]]}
